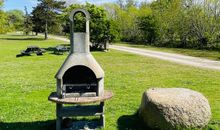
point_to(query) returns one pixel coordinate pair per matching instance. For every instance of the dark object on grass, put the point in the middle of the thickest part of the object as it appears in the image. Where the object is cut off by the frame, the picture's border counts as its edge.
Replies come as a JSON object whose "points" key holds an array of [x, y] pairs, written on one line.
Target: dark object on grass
{"points": [[99, 46], [60, 49], [30, 50], [67, 123]]}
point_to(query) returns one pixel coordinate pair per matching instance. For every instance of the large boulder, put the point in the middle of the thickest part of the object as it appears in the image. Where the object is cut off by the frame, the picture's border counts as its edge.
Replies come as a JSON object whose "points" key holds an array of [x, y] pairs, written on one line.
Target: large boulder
{"points": [[174, 108]]}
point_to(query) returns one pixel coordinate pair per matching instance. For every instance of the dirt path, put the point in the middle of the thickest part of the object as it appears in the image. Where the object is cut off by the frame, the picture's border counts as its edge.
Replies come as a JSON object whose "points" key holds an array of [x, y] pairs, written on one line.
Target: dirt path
{"points": [[177, 58]]}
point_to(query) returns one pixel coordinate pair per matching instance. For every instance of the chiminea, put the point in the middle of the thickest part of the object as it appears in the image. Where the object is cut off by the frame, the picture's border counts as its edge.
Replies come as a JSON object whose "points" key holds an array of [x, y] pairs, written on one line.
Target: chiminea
{"points": [[80, 75]]}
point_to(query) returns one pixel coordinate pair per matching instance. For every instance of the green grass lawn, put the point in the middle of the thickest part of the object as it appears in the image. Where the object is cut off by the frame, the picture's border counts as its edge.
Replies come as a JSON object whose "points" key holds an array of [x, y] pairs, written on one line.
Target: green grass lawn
{"points": [[213, 55], [26, 82]]}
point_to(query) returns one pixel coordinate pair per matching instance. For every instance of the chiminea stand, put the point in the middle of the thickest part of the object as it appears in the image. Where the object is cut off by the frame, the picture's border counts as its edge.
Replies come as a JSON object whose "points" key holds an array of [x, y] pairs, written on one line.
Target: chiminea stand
{"points": [[80, 80], [79, 108]]}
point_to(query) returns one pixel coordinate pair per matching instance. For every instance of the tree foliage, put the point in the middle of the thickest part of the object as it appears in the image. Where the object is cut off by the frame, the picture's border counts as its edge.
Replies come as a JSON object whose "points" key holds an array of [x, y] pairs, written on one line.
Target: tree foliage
{"points": [[45, 15], [16, 19], [4, 24], [170, 23], [1, 3], [148, 27], [27, 23], [126, 15], [186, 23], [101, 29], [37, 19]]}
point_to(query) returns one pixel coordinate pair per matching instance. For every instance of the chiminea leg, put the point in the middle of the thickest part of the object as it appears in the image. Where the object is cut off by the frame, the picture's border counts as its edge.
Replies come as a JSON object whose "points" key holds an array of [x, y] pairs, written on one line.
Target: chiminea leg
{"points": [[59, 119], [102, 117]]}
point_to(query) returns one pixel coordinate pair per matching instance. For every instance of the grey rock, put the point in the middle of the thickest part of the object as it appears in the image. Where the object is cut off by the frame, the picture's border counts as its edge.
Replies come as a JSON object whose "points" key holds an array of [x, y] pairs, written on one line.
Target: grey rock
{"points": [[174, 108]]}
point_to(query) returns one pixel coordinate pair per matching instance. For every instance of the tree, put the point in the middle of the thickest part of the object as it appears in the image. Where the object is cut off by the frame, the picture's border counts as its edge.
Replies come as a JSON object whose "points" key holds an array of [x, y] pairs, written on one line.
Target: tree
{"points": [[4, 25], [124, 4], [114, 31], [38, 23], [27, 22], [16, 19], [3, 22], [204, 23], [121, 3], [101, 29], [130, 3], [149, 29], [127, 19], [1, 3], [46, 13], [170, 23]]}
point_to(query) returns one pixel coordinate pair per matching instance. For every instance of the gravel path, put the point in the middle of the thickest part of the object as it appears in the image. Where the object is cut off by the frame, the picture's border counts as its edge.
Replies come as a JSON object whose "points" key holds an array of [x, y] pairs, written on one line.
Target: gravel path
{"points": [[177, 58]]}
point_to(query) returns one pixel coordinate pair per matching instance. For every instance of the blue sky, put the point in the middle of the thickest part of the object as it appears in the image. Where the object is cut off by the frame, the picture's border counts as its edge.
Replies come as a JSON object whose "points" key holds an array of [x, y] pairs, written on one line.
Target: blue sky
{"points": [[19, 4]]}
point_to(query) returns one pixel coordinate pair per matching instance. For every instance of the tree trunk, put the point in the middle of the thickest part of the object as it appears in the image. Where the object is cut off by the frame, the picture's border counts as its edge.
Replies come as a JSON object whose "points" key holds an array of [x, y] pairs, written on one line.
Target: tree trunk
{"points": [[106, 45], [46, 31], [36, 33]]}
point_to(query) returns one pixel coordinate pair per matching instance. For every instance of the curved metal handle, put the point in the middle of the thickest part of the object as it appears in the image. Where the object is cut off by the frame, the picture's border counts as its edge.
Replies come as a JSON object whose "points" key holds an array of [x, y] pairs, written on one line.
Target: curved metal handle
{"points": [[85, 12]]}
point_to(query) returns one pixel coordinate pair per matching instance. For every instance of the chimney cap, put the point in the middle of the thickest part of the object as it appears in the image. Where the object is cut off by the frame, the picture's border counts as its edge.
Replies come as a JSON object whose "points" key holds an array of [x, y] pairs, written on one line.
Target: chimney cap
{"points": [[75, 11]]}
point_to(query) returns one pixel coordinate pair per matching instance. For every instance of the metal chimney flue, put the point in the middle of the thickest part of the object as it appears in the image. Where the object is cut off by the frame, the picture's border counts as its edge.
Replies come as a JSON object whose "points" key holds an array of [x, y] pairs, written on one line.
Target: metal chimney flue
{"points": [[80, 75], [80, 40]]}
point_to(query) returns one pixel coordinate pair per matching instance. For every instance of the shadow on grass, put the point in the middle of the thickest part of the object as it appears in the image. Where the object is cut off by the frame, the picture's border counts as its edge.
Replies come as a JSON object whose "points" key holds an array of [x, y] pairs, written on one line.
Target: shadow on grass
{"points": [[33, 39], [74, 124], [37, 125], [21, 35], [30, 38], [131, 122]]}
